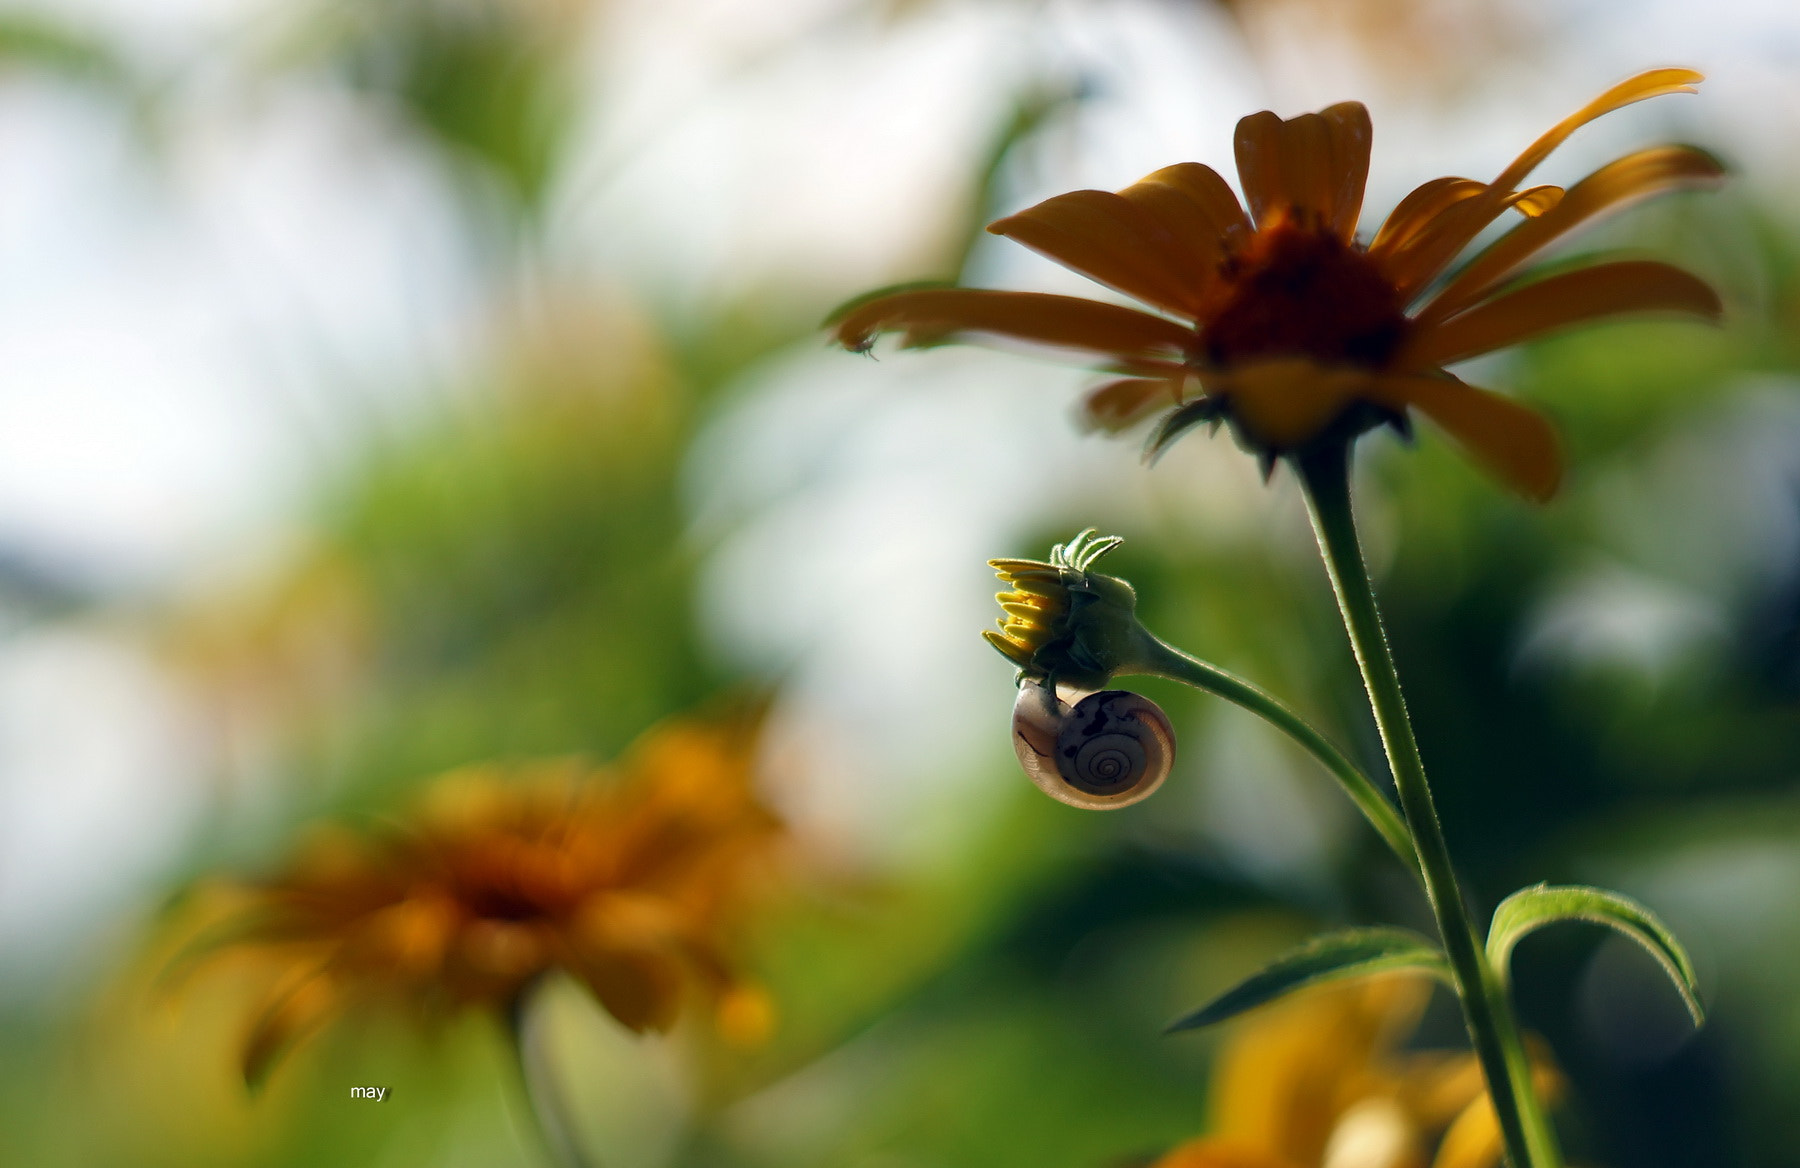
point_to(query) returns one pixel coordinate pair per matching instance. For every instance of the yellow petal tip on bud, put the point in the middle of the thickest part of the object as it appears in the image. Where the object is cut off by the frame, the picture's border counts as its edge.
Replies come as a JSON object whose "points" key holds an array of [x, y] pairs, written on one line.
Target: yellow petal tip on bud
{"points": [[1064, 620], [1018, 654]]}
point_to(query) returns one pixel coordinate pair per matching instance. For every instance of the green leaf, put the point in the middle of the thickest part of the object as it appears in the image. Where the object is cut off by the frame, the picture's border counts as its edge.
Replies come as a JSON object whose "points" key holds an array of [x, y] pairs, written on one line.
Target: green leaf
{"points": [[1351, 953], [1544, 904]]}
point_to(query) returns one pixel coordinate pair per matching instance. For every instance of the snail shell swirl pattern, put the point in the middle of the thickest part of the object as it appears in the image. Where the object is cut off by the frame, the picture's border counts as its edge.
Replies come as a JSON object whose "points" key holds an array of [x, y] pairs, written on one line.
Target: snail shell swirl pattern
{"points": [[1110, 749]]}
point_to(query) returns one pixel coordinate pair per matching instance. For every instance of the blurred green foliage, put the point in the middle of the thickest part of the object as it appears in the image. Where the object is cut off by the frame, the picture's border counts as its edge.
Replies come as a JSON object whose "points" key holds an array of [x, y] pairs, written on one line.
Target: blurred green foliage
{"points": [[491, 82], [533, 549], [33, 41]]}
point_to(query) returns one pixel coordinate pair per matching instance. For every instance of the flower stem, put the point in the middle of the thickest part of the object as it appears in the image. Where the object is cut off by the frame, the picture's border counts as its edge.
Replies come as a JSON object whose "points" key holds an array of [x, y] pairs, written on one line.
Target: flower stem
{"points": [[1163, 660], [1325, 477], [548, 1107]]}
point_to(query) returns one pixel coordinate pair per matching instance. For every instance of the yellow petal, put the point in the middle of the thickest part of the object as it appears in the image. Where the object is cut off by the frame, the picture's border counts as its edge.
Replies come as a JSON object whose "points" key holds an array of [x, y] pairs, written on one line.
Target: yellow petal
{"points": [[934, 316], [1257, 144], [1546, 305], [1312, 167], [1427, 224], [1373, 1132], [1511, 441], [1016, 578], [1465, 221], [1534, 201], [1306, 167], [1473, 1140], [1418, 209], [1651, 83], [1017, 653], [1284, 1074], [1440, 1085], [1033, 587], [1118, 404], [1192, 194], [1198, 213], [1108, 238], [745, 1016], [640, 987], [292, 1010], [411, 937], [1351, 135], [1211, 1152], [1617, 184]]}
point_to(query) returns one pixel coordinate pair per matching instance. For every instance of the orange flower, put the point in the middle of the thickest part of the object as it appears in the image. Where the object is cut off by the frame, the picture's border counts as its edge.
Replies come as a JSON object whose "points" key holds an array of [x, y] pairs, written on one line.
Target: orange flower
{"points": [[1283, 323], [1321, 1081], [629, 882]]}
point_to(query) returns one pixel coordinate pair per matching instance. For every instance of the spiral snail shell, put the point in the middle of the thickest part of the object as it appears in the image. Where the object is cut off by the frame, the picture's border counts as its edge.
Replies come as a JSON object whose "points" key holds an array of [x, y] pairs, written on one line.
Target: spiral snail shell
{"points": [[1111, 749]]}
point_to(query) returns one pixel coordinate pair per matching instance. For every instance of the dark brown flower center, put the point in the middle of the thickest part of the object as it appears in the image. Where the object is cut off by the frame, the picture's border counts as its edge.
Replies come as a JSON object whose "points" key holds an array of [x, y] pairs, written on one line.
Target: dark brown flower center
{"points": [[1299, 292]]}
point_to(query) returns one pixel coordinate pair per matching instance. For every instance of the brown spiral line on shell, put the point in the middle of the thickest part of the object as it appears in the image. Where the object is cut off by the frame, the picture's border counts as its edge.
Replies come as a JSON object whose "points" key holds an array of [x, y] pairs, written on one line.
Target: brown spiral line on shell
{"points": [[1110, 749]]}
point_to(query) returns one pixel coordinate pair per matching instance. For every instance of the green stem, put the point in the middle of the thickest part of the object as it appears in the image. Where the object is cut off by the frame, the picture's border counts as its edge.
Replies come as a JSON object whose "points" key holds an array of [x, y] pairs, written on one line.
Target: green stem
{"points": [[1325, 477], [549, 1109], [1162, 660]]}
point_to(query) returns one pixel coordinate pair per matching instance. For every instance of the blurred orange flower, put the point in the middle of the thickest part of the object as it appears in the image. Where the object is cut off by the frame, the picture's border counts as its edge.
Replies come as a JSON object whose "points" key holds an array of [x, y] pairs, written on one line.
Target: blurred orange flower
{"points": [[1320, 1081], [630, 880], [1281, 322]]}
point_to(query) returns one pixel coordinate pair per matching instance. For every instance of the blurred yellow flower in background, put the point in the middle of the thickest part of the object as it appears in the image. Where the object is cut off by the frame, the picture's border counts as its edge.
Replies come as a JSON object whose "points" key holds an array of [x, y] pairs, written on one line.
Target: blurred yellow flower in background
{"points": [[1280, 321], [1321, 1081], [632, 880]]}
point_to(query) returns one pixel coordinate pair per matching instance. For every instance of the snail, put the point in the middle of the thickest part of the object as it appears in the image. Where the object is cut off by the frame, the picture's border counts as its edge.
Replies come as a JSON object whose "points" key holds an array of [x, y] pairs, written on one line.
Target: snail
{"points": [[1111, 749]]}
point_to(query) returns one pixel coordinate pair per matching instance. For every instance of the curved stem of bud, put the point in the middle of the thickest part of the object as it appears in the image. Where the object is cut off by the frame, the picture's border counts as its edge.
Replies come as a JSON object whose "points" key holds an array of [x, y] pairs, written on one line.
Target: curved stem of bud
{"points": [[1163, 660]]}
